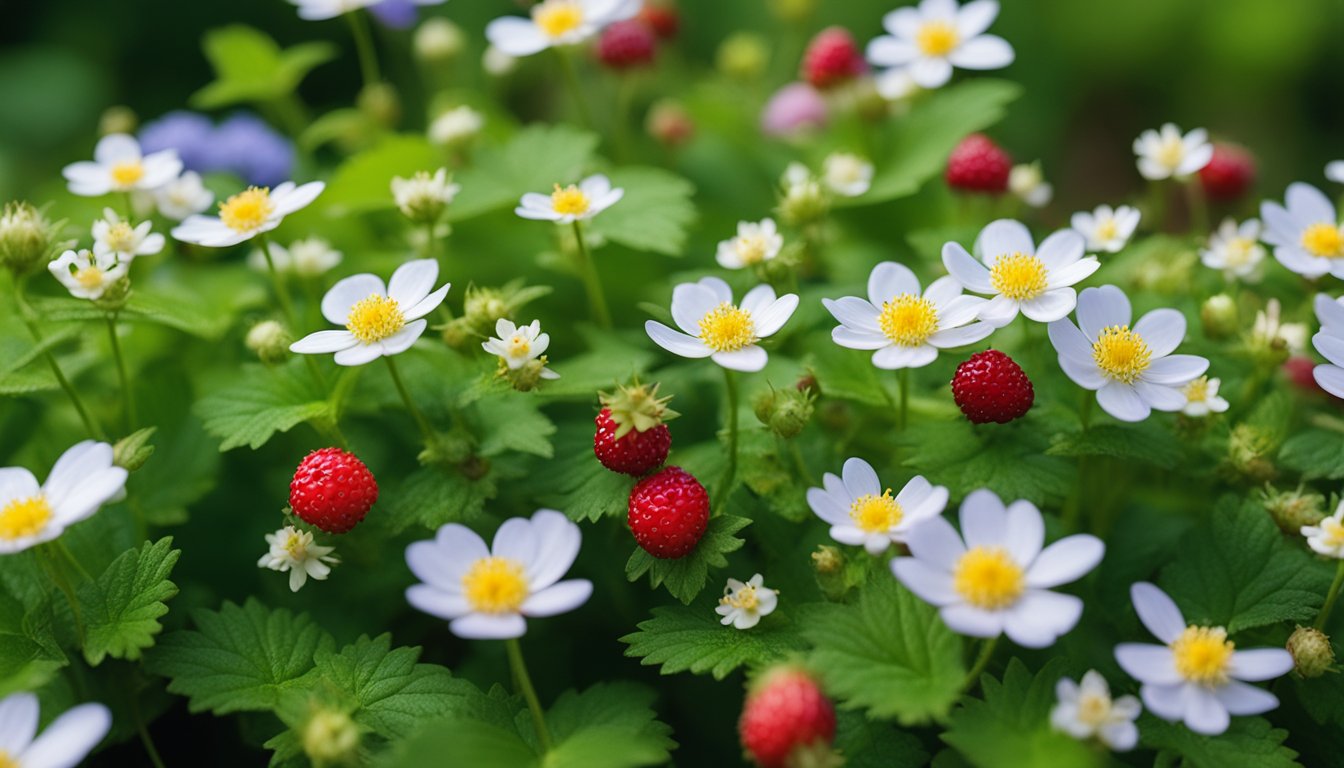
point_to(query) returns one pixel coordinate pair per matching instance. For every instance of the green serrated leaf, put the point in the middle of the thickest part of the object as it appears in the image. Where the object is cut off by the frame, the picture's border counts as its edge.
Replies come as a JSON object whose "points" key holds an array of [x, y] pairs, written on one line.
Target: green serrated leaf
{"points": [[511, 421], [1010, 728], [889, 653], [868, 744], [1316, 453], [682, 638], [122, 607], [1237, 571], [250, 66], [464, 743], [1011, 461], [29, 652], [1250, 742], [686, 576], [534, 160], [238, 658], [610, 725], [652, 215], [1147, 442], [260, 403], [432, 496], [364, 182]]}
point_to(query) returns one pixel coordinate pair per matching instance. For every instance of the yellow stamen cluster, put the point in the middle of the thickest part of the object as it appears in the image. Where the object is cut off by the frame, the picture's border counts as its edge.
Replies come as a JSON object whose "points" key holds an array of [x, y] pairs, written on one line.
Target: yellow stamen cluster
{"points": [[937, 38], [1238, 250], [8, 762], [1332, 532], [1107, 229], [1121, 354], [1019, 276], [556, 17], [1171, 152], [908, 320], [120, 237], [989, 578], [1197, 391], [1323, 240], [876, 514], [727, 328], [375, 318], [519, 346], [750, 249], [495, 585], [248, 210], [744, 599], [1094, 709], [126, 174], [569, 201], [1203, 655], [24, 517], [90, 277]]}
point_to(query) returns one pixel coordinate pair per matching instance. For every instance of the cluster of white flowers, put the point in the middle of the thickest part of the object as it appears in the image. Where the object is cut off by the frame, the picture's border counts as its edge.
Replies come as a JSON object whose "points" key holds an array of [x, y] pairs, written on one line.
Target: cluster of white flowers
{"points": [[926, 42], [119, 165]]}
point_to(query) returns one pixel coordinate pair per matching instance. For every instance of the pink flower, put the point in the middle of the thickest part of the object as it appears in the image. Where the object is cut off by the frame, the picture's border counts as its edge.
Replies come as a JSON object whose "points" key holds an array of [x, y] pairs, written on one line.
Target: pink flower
{"points": [[795, 108]]}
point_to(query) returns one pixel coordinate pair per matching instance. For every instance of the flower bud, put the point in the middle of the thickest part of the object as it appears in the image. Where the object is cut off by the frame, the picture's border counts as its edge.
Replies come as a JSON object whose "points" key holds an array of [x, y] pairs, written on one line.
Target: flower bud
{"points": [[793, 409], [527, 377], [1311, 650], [456, 127], [117, 119], [803, 203], [669, 123], [763, 405], [115, 295], [270, 341], [827, 560], [1250, 452], [458, 334], [483, 307], [1292, 509], [1218, 315], [828, 565], [743, 56], [423, 198], [381, 103], [330, 736], [26, 237], [438, 41], [497, 63], [131, 452]]}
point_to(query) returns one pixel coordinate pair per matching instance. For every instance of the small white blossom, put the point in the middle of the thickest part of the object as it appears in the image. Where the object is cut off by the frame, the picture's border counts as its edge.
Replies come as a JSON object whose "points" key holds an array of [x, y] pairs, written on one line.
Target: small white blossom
{"points": [[247, 214], [1167, 154], [744, 604], [1334, 171], [861, 513], [1236, 250], [931, 39], [1106, 229], [756, 242], [518, 345], [82, 480], [1327, 537], [557, 22], [294, 551], [1201, 397], [423, 197], [456, 126], [114, 236], [576, 202], [88, 275], [846, 174], [716, 328], [1029, 184], [1087, 711], [1305, 232], [1270, 332], [183, 196], [119, 166]]}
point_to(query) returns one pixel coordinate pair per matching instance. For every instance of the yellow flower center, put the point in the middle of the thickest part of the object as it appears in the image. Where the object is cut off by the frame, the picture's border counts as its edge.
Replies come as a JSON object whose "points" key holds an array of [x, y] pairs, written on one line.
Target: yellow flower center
{"points": [[296, 546], [569, 201], [1094, 709], [8, 762], [247, 210], [908, 320], [744, 599], [1237, 252], [125, 174], [1121, 354], [876, 514], [375, 318], [1323, 240], [1019, 276], [556, 17], [1333, 532], [24, 517], [495, 585], [1171, 152], [120, 237], [1203, 654], [727, 328], [988, 578], [937, 38], [751, 248], [1197, 391], [90, 277], [1107, 229], [519, 346]]}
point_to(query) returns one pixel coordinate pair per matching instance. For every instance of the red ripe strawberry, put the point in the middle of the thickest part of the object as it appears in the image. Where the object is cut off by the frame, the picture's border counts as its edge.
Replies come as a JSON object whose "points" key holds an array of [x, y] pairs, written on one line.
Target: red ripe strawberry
{"points": [[785, 718], [978, 165], [991, 387], [631, 437], [1301, 372], [627, 44], [668, 513], [662, 19], [1230, 172], [333, 490], [832, 58]]}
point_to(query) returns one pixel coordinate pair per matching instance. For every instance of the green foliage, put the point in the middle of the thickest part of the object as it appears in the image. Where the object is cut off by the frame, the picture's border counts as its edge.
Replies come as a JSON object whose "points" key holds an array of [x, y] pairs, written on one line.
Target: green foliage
{"points": [[261, 402], [1147, 442], [681, 638], [511, 421], [122, 607], [1250, 742], [1010, 728], [577, 484], [251, 67], [432, 496], [29, 652], [868, 744], [1237, 571], [1316, 453], [686, 576], [364, 182], [238, 658], [534, 160], [1012, 462], [652, 215], [889, 654]]}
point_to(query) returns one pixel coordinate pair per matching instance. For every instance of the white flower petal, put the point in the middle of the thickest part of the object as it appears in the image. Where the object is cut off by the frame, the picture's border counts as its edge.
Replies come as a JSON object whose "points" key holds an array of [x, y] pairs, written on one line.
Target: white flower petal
{"points": [[1123, 402], [69, 738], [1157, 611], [894, 357], [479, 626], [437, 602], [1024, 531], [1204, 713], [860, 479], [975, 17], [748, 359], [932, 586], [1099, 308], [936, 543], [675, 342], [18, 722], [559, 598], [412, 282], [1241, 699], [971, 621], [983, 519], [1260, 664], [968, 270], [346, 293], [1175, 369], [773, 317], [360, 354], [1039, 618], [402, 340], [1166, 701], [1066, 560], [1162, 330], [324, 342], [1050, 306], [930, 73], [1148, 663], [889, 280], [958, 337]]}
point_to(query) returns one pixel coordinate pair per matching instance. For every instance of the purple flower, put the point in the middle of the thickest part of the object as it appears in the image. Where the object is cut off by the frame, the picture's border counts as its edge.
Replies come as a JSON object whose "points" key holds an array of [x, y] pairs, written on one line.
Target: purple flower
{"points": [[247, 146], [397, 14], [793, 109], [187, 132]]}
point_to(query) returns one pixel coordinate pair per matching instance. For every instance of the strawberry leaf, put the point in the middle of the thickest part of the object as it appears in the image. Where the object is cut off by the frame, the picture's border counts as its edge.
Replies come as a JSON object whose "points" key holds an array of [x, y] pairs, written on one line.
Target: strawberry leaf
{"points": [[682, 638], [121, 608], [686, 576]]}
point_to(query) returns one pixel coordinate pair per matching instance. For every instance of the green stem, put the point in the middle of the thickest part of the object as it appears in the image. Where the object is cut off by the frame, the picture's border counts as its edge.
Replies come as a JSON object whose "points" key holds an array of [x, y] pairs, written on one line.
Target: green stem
{"points": [[143, 729], [70, 558], [572, 83], [30, 319], [425, 429], [429, 241], [524, 684], [1199, 207], [597, 300], [368, 60], [904, 413], [130, 208], [620, 131], [1085, 410], [49, 555], [281, 289], [730, 472], [981, 661], [1331, 597], [127, 396]]}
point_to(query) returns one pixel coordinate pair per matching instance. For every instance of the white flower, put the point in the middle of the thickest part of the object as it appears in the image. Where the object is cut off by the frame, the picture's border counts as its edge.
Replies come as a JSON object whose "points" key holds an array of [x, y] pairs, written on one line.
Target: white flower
{"points": [[456, 126], [1329, 341], [66, 741], [1106, 229], [1029, 184], [743, 605], [183, 196], [1196, 676], [380, 321], [1270, 332], [1306, 236], [119, 166], [861, 513], [557, 22], [1327, 536], [1168, 154], [113, 236], [997, 580], [496, 62], [755, 243], [1132, 370], [318, 10], [904, 327], [82, 480], [519, 345], [717, 328], [1020, 277], [930, 40], [566, 205], [311, 257], [485, 593], [846, 174], [1201, 397], [1087, 711], [895, 85], [1334, 171], [424, 197], [294, 551], [249, 213], [88, 275], [1235, 249]]}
